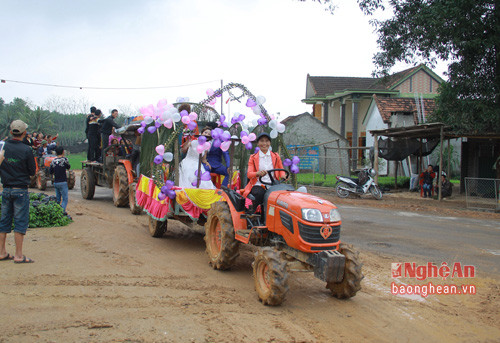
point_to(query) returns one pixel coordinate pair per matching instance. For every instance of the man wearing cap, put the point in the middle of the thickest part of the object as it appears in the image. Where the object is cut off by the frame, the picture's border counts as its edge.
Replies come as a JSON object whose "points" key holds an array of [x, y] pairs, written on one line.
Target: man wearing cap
{"points": [[17, 167]]}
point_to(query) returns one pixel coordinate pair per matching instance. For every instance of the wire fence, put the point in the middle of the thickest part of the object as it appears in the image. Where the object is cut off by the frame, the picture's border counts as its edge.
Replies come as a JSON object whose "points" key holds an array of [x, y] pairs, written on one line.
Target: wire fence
{"points": [[482, 194]]}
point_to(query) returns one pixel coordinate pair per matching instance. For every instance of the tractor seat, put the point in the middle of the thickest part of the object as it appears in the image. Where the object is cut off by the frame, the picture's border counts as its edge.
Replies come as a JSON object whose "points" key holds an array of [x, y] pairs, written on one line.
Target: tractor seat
{"points": [[236, 198]]}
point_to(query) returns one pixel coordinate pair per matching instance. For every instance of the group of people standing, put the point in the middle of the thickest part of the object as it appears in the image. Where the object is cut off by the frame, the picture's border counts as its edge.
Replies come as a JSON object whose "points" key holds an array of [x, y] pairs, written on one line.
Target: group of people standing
{"points": [[98, 130]]}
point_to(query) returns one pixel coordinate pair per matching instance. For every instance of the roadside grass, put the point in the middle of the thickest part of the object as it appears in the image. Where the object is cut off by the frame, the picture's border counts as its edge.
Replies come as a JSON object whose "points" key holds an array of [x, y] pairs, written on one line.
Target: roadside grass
{"points": [[75, 160]]}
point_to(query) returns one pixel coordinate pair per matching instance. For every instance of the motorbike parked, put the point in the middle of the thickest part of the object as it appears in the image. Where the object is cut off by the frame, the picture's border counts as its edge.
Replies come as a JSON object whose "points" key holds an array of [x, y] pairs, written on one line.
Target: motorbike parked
{"points": [[362, 185]]}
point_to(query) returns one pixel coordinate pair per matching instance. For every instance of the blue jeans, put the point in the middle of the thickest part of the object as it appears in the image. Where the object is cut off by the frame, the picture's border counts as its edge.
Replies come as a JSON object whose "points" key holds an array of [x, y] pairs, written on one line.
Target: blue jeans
{"points": [[427, 189], [62, 191], [221, 170], [15, 206]]}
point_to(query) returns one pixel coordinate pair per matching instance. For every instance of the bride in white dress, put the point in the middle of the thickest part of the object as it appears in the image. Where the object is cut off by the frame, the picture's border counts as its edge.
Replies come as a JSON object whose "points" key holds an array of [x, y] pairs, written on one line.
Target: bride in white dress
{"points": [[188, 167]]}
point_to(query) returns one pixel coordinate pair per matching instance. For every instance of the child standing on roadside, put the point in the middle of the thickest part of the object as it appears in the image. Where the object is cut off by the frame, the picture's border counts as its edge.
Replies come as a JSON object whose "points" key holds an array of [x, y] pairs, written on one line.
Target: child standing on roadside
{"points": [[58, 167]]}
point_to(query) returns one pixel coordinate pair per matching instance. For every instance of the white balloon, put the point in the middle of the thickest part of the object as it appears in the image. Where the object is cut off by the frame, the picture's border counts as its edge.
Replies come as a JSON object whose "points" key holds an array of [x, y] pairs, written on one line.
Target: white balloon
{"points": [[260, 99], [254, 122], [164, 116], [168, 156], [176, 117], [273, 134], [192, 178], [148, 120], [256, 110], [272, 124], [280, 128]]}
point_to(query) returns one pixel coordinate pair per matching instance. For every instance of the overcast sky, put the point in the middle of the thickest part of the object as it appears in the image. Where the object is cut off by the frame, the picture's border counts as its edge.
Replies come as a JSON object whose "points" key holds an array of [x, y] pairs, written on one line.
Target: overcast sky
{"points": [[267, 45]]}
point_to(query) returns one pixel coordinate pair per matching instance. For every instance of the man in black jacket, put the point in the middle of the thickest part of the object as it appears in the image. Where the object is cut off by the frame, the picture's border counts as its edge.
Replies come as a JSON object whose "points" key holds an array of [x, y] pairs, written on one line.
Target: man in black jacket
{"points": [[16, 168], [94, 137], [107, 126]]}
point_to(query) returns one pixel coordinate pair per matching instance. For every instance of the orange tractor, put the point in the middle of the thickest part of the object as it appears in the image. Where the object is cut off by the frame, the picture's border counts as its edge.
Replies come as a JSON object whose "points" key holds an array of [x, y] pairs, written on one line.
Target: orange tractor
{"points": [[43, 175], [295, 231]]}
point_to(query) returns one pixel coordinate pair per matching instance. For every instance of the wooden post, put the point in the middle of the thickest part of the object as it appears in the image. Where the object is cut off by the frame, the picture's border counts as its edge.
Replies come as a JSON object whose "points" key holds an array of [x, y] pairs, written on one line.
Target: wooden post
{"points": [[176, 161], [375, 157], [231, 162], [340, 158], [440, 163], [324, 147], [448, 171], [198, 178], [396, 175]]}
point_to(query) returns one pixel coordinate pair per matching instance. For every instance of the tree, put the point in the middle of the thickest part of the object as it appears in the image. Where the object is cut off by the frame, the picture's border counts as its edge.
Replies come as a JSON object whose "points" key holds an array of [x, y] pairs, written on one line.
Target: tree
{"points": [[466, 33], [39, 120]]}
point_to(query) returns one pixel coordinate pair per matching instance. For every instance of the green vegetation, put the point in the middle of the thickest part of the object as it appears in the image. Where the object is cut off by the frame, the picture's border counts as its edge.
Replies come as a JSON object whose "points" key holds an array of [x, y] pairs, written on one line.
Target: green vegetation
{"points": [[75, 160]]}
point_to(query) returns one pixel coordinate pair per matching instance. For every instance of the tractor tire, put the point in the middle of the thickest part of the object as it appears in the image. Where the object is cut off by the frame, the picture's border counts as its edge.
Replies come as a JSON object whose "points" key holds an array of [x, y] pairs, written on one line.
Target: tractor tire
{"points": [[33, 181], [41, 180], [134, 208], [222, 247], [71, 179], [376, 192], [270, 274], [87, 184], [342, 193], [351, 283], [120, 187], [157, 228]]}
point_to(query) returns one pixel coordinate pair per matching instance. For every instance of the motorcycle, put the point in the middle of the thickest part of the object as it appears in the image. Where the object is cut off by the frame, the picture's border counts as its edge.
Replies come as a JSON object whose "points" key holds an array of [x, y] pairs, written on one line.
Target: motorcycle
{"points": [[362, 185]]}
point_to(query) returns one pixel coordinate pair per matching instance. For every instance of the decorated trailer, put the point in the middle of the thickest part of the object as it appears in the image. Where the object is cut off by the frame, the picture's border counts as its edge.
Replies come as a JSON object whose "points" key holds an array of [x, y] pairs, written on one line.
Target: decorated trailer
{"points": [[292, 230]]}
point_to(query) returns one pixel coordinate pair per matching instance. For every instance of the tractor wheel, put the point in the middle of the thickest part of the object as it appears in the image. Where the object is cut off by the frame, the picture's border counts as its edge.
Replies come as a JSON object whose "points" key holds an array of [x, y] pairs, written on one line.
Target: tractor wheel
{"points": [[222, 247], [33, 181], [134, 208], [342, 193], [270, 274], [87, 184], [157, 228], [71, 179], [41, 180], [120, 187], [351, 283], [377, 194]]}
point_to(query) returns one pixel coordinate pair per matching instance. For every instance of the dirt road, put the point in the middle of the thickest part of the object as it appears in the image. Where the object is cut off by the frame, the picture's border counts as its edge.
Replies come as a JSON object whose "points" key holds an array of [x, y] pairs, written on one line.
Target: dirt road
{"points": [[104, 279]]}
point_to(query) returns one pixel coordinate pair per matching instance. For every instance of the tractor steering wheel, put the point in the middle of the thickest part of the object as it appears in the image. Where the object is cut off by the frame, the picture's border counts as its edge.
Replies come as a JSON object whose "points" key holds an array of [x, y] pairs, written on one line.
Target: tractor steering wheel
{"points": [[273, 181]]}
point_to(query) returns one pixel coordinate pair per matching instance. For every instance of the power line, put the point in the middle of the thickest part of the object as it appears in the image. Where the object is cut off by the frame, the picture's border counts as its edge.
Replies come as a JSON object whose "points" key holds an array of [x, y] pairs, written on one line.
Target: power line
{"points": [[104, 88]]}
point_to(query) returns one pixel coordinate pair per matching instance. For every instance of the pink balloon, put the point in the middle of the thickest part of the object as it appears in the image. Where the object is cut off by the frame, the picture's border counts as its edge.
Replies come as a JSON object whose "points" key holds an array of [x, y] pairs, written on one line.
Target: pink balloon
{"points": [[213, 102], [160, 149], [193, 116], [206, 146], [168, 123], [186, 120], [225, 145], [245, 140], [162, 103], [243, 134], [200, 149], [252, 137], [210, 92]]}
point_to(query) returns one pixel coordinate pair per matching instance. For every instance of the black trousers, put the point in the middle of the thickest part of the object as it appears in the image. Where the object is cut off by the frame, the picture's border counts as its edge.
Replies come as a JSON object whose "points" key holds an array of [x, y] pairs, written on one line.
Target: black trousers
{"points": [[105, 143], [94, 147], [258, 192]]}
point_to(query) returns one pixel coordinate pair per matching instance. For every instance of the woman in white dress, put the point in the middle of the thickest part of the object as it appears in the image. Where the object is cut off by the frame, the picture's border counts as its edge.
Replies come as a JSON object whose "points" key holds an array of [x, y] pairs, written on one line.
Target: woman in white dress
{"points": [[189, 165]]}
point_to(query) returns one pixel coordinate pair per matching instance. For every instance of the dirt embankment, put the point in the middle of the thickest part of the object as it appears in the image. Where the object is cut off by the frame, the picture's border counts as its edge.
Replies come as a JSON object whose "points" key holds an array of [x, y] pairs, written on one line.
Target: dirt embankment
{"points": [[104, 279]]}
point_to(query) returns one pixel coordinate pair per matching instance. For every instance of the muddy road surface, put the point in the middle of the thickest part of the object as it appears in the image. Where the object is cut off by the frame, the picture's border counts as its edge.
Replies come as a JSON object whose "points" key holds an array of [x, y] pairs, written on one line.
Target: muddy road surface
{"points": [[103, 278]]}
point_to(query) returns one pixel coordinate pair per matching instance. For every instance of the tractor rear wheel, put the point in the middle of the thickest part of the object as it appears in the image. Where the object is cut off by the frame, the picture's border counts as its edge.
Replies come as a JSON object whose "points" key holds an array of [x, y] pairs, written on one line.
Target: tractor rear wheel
{"points": [[342, 193], [222, 247], [134, 208], [270, 274], [87, 184], [157, 228], [41, 180], [71, 179], [351, 283], [120, 187]]}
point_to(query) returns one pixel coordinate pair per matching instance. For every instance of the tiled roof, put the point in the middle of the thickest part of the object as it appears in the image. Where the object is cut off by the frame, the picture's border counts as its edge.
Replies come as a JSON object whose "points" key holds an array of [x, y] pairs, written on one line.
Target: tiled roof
{"points": [[324, 85], [389, 81], [387, 106]]}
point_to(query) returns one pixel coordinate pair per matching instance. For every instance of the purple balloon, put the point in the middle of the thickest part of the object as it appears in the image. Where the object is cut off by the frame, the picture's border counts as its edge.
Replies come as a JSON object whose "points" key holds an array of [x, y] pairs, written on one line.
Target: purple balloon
{"points": [[151, 129], [234, 120], [243, 134], [294, 169], [295, 160], [171, 194], [206, 176], [262, 121], [164, 189], [140, 130], [226, 136], [249, 146], [169, 184], [257, 149], [157, 124], [143, 123], [192, 125], [215, 134], [202, 140], [184, 113], [216, 143], [158, 159], [241, 117], [287, 162], [218, 94], [251, 103], [194, 183], [162, 196]]}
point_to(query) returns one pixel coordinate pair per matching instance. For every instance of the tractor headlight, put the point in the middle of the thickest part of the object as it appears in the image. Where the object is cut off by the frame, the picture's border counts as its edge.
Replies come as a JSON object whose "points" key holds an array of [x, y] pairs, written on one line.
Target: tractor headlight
{"points": [[335, 216], [312, 215]]}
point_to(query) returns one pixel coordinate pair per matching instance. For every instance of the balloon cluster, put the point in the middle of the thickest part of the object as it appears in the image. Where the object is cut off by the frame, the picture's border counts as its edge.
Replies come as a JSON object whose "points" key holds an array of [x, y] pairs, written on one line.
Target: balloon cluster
{"points": [[189, 119], [210, 92], [164, 114], [247, 139], [222, 139], [162, 155], [167, 191], [222, 121], [276, 128], [202, 144], [237, 118], [293, 164], [205, 176]]}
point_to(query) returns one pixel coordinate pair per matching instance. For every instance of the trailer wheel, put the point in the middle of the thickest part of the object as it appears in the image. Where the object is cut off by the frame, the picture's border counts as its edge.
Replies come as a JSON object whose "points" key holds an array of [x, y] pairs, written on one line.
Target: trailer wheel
{"points": [[222, 247], [87, 184], [270, 273], [41, 180], [71, 179], [157, 228], [134, 208], [342, 193], [351, 283], [120, 187]]}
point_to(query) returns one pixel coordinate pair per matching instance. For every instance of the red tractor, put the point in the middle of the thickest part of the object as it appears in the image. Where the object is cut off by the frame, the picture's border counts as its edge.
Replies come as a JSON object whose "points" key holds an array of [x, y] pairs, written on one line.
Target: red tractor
{"points": [[294, 231], [43, 175]]}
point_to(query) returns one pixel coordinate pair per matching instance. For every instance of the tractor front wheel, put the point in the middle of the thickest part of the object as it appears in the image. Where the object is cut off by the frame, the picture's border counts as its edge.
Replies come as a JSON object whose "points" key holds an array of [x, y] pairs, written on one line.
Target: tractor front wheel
{"points": [[351, 283], [71, 179], [120, 187], [157, 228], [270, 273], [222, 247], [41, 180], [134, 208], [87, 184]]}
